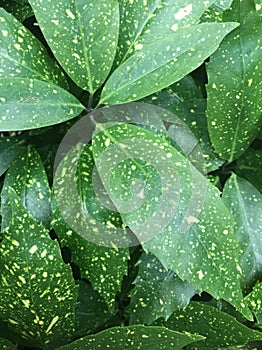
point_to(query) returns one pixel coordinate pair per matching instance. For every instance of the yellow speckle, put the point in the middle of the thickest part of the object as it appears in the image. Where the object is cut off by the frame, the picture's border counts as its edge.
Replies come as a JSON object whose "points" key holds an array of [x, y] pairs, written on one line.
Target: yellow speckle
{"points": [[250, 81], [33, 249], [183, 12], [200, 275], [17, 46], [4, 33], [14, 242], [138, 47], [70, 14], [26, 303], [22, 279], [52, 323], [107, 142]]}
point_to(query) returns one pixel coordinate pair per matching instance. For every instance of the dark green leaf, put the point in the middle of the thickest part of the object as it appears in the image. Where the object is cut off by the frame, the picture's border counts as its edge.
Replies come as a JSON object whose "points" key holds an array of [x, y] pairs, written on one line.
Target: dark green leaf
{"points": [[254, 301], [173, 210], [38, 292], [29, 104], [245, 202], [27, 177], [249, 166], [163, 61], [158, 292], [82, 35], [234, 103], [6, 345], [144, 21], [20, 12], [220, 329], [134, 338], [91, 312], [9, 148], [23, 56]]}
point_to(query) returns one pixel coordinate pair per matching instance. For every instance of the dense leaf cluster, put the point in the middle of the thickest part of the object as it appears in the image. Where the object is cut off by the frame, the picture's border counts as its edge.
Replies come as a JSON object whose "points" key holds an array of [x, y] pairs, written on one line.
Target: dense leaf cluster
{"points": [[146, 232]]}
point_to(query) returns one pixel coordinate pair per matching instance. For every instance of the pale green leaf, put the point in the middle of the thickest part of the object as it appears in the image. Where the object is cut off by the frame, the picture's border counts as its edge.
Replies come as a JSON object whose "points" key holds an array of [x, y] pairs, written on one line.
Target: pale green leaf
{"points": [[134, 338], [142, 22], [254, 300], [29, 104], [163, 61], [82, 35], [235, 84], [158, 292], [172, 209], [22, 55], [245, 204], [27, 177], [249, 166], [220, 329], [38, 292]]}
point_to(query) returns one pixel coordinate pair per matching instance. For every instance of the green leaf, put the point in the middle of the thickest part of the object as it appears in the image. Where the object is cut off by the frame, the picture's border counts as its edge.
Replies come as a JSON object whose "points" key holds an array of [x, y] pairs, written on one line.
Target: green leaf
{"points": [[158, 292], [9, 148], [144, 21], [135, 338], [23, 56], [254, 301], [27, 177], [185, 100], [220, 329], [245, 202], [103, 266], [163, 61], [91, 312], [249, 166], [29, 104], [20, 12], [172, 209], [82, 35], [234, 104], [38, 292], [6, 345]]}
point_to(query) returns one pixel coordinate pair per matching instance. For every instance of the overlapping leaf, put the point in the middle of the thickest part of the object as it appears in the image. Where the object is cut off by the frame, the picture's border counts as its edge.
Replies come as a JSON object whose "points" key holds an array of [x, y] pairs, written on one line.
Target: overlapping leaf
{"points": [[27, 177], [163, 61], [29, 97], [245, 204], [7, 345], [82, 35], [9, 148], [220, 329], [186, 101], [91, 311], [158, 292], [144, 21], [20, 12], [134, 338], [235, 84], [196, 224], [254, 301], [249, 166], [29, 104], [103, 266], [23, 56], [36, 285]]}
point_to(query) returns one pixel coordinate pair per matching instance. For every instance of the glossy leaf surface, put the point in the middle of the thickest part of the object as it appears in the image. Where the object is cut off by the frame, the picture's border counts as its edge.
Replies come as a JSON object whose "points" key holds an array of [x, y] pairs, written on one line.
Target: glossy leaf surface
{"points": [[234, 104]]}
